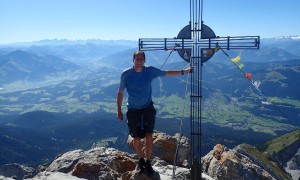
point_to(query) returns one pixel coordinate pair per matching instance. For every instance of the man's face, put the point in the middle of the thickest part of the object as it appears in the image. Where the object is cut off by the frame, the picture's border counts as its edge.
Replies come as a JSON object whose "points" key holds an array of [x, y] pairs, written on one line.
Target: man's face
{"points": [[139, 60]]}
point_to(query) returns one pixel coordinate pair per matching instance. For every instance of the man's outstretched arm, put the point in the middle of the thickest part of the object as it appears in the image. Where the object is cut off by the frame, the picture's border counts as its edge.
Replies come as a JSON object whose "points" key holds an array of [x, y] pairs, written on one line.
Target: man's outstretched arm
{"points": [[179, 72]]}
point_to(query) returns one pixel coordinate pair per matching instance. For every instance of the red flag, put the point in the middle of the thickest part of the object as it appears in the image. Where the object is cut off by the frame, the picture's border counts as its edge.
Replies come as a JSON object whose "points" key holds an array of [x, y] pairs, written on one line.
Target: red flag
{"points": [[248, 76]]}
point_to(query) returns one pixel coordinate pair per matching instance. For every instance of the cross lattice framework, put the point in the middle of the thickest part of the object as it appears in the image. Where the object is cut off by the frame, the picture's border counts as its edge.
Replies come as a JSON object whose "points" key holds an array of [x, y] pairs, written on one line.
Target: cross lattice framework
{"points": [[196, 43]]}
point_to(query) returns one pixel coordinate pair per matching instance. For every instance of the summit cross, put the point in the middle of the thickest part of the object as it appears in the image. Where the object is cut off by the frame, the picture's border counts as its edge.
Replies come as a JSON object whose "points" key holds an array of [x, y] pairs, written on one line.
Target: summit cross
{"points": [[196, 43]]}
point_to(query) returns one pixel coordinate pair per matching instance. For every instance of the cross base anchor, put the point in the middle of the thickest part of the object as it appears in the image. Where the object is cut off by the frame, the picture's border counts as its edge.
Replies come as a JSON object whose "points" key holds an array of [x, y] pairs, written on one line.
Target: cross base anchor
{"points": [[196, 170]]}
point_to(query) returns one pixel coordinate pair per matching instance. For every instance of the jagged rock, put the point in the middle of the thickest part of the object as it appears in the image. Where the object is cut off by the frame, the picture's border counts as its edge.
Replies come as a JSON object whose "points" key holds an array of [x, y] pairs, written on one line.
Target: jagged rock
{"points": [[5, 178], [293, 166], [164, 147], [218, 151], [163, 170], [106, 163], [270, 166], [111, 164], [17, 171], [65, 162], [55, 176], [224, 163]]}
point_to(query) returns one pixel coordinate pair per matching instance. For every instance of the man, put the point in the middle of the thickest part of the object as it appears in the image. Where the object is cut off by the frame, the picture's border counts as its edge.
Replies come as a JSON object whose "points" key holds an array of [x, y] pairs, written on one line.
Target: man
{"points": [[141, 113]]}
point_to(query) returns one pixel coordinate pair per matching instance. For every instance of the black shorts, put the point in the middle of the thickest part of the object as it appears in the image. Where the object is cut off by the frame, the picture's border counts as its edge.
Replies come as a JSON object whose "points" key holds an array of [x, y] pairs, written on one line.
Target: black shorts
{"points": [[141, 121]]}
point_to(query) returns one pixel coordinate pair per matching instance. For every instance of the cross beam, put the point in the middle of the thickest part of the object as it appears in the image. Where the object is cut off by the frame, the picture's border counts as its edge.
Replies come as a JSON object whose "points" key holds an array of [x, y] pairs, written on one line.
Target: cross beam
{"points": [[239, 42], [196, 44]]}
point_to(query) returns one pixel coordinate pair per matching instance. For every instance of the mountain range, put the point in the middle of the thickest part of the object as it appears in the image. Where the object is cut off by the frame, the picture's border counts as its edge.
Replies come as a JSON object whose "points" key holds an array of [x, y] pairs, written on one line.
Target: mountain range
{"points": [[23, 66], [58, 95]]}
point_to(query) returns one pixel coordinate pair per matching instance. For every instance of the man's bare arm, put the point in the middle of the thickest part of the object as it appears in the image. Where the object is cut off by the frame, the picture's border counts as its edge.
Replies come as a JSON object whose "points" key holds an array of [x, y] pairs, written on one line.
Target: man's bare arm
{"points": [[119, 104], [178, 72]]}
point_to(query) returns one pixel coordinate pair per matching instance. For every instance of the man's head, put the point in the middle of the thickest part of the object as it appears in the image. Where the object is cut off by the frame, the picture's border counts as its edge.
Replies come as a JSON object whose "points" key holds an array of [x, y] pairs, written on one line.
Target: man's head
{"points": [[139, 54], [139, 59]]}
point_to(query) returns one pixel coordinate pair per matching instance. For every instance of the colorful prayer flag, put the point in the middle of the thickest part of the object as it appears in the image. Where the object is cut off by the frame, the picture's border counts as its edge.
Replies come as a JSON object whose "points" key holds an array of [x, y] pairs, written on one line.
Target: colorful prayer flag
{"points": [[241, 67], [248, 76], [236, 59]]}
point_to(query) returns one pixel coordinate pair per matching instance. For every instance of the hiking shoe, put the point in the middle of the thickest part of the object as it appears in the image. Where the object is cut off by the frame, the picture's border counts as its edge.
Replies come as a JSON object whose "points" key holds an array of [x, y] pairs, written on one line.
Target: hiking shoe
{"points": [[140, 166], [149, 169]]}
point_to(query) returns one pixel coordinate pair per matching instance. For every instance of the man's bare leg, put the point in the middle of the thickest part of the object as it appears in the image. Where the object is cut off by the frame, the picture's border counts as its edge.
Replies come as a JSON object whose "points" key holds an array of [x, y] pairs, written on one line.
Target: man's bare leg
{"points": [[137, 143], [149, 143]]}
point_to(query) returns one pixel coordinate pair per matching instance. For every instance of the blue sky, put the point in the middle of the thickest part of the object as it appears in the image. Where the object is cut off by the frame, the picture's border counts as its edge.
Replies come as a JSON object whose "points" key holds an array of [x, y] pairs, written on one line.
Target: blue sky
{"points": [[31, 20]]}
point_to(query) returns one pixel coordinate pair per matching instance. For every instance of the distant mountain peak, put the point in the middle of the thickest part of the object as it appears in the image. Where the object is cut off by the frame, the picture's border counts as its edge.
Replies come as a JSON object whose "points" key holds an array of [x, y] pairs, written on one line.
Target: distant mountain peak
{"points": [[295, 37]]}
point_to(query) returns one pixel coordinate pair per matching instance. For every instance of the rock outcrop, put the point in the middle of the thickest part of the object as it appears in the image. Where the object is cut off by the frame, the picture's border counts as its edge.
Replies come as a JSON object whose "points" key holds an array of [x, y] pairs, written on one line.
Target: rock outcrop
{"points": [[293, 165], [164, 147], [242, 162], [224, 163], [106, 163], [110, 163], [16, 171]]}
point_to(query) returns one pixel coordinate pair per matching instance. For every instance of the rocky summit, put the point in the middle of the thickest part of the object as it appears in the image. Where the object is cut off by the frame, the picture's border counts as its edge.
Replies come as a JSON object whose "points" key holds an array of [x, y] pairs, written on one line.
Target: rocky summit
{"points": [[242, 162]]}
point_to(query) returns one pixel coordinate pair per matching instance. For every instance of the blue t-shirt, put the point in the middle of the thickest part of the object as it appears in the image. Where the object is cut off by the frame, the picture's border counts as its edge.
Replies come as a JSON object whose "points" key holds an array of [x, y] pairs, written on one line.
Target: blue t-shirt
{"points": [[138, 85]]}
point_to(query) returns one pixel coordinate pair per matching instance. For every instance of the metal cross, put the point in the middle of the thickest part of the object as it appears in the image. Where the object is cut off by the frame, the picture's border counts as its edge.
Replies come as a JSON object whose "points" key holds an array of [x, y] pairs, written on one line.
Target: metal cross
{"points": [[196, 43]]}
